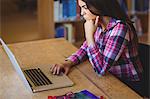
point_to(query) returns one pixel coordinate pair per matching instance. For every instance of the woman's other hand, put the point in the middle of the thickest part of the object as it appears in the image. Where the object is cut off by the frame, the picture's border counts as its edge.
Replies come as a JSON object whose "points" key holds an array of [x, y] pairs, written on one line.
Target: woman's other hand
{"points": [[90, 27]]}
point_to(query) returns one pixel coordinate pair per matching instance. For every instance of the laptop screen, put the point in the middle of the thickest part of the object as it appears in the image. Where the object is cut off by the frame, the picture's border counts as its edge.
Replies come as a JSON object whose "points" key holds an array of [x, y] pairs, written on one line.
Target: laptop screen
{"points": [[15, 64]]}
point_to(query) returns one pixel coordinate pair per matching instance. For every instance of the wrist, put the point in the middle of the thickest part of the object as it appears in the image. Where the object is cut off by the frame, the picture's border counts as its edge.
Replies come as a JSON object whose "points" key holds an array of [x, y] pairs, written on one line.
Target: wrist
{"points": [[90, 41], [69, 63]]}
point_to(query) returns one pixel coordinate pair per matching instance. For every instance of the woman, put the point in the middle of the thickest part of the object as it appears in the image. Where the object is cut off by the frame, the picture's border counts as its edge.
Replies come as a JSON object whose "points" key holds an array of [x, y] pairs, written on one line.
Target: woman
{"points": [[110, 45]]}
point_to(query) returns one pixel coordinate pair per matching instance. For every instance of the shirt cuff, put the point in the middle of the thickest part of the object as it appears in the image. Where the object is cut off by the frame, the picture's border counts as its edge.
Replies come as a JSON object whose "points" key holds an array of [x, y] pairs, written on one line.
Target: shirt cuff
{"points": [[74, 58]]}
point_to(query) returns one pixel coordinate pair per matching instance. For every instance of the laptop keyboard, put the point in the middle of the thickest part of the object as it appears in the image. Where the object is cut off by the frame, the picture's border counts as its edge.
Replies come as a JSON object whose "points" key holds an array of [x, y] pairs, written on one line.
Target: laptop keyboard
{"points": [[37, 77]]}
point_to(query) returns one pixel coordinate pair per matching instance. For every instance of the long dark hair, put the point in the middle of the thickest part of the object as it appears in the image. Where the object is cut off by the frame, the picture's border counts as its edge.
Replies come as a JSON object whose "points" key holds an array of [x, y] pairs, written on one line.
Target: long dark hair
{"points": [[110, 8]]}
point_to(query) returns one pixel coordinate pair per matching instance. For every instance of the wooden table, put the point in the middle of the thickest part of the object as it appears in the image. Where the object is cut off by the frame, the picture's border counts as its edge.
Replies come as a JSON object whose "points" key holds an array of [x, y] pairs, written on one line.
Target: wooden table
{"points": [[45, 52]]}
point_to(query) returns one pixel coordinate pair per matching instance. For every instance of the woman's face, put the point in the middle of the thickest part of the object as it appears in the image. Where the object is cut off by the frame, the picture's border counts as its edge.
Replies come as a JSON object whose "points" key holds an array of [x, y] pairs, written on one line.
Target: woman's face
{"points": [[85, 12]]}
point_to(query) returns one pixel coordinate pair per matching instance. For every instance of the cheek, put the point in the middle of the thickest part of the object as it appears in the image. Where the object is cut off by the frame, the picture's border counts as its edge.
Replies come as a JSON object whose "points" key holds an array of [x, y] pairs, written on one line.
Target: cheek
{"points": [[89, 16]]}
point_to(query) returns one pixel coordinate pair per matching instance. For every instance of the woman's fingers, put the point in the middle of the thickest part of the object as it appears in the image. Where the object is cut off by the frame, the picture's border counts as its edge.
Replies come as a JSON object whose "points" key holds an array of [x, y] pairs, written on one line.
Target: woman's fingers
{"points": [[55, 69], [52, 67], [58, 70]]}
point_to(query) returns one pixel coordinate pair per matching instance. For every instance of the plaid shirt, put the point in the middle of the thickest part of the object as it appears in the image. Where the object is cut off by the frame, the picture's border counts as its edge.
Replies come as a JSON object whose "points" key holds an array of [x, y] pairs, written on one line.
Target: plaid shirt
{"points": [[113, 51]]}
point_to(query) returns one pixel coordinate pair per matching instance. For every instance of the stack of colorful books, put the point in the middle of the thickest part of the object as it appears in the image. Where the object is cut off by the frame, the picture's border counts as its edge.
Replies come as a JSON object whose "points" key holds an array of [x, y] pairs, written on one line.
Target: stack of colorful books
{"points": [[84, 94]]}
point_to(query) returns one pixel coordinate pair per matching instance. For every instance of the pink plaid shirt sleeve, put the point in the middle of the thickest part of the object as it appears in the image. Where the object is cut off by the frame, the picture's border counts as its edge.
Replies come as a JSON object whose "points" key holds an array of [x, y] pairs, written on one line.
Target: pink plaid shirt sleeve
{"points": [[79, 55], [102, 60]]}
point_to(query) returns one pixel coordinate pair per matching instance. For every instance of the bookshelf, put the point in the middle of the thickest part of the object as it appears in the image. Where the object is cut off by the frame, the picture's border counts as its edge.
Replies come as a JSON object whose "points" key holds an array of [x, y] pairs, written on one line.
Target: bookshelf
{"points": [[77, 29], [143, 15], [140, 9], [47, 25], [67, 20]]}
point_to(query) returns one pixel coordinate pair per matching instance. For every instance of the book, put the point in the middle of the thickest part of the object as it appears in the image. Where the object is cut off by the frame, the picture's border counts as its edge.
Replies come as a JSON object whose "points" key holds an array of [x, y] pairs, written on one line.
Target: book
{"points": [[137, 24], [70, 32], [84, 94], [65, 9], [72, 4], [129, 5], [60, 32], [56, 10], [60, 10], [142, 5], [132, 7]]}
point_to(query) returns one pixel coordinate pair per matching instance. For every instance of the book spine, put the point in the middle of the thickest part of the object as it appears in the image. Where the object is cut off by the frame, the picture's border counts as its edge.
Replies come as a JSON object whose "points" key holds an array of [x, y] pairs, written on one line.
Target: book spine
{"points": [[70, 33], [123, 4], [60, 10], [133, 7], [129, 5], [146, 5], [60, 32], [56, 10], [65, 9], [72, 9]]}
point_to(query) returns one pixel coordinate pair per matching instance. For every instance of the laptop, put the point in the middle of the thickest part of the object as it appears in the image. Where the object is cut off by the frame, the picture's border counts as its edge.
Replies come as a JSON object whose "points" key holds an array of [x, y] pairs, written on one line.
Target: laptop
{"points": [[36, 79]]}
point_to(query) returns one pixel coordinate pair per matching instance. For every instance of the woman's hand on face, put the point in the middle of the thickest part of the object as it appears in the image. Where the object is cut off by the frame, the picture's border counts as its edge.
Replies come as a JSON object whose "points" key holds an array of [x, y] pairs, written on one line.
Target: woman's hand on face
{"points": [[90, 27], [56, 69]]}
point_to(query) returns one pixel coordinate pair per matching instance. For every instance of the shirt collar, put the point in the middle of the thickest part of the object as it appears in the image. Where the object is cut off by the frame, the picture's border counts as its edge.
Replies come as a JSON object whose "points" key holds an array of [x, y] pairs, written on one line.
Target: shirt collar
{"points": [[112, 23]]}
